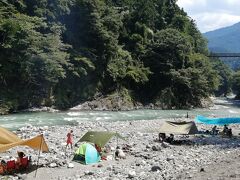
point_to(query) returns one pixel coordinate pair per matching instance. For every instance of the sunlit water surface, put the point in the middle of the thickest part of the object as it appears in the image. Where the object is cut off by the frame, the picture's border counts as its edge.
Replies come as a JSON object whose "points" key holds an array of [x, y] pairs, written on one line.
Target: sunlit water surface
{"points": [[221, 109]]}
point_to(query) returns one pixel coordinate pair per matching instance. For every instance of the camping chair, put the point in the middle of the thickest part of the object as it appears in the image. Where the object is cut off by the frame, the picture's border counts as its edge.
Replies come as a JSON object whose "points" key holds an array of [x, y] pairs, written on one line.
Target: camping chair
{"points": [[24, 163], [11, 166]]}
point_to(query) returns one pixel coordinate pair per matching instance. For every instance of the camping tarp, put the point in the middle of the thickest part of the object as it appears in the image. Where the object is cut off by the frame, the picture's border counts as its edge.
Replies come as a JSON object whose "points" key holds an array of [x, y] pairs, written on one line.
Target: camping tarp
{"points": [[179, 128], [86, 154], [217, 121], [99, 137], [9, 140]]}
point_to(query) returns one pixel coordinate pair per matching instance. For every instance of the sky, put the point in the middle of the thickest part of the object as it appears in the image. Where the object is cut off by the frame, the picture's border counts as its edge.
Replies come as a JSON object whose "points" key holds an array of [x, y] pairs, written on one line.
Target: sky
{"points": [[212, 14]]}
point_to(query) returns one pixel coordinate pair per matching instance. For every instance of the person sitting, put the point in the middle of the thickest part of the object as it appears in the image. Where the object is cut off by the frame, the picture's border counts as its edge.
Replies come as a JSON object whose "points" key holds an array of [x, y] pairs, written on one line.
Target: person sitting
{"points": [[3, 167], [225, 130], [20, 157], [2, 171], [162, 137], [229, 133], [170, 139], [119, 153], [214, 130], [98, 148]]}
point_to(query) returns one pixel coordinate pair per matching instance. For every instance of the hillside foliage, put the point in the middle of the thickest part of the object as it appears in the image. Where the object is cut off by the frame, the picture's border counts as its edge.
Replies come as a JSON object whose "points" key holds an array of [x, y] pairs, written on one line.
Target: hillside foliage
{"points": [[63, 52]]}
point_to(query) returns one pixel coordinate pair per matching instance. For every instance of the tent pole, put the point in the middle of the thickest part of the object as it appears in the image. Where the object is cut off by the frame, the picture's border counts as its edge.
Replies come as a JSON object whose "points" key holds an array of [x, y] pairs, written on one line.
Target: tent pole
{"points": [[117, 140], [39, 155], [116, 147]]}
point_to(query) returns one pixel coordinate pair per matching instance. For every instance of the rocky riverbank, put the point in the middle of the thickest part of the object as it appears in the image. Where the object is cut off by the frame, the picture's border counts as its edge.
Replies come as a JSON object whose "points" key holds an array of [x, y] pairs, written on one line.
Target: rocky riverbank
{"points": [[118, 103], [114, 102], [146, 158]]}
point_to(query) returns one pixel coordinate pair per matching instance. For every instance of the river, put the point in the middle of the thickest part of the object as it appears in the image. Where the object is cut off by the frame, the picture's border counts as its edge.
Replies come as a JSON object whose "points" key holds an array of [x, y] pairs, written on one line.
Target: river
{"points": [[222, 108]]}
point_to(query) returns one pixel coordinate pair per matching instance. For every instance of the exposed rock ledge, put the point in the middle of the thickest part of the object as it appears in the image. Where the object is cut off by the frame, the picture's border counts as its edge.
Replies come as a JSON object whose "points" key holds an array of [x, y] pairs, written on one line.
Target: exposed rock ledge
{"points": [[118, 103]]}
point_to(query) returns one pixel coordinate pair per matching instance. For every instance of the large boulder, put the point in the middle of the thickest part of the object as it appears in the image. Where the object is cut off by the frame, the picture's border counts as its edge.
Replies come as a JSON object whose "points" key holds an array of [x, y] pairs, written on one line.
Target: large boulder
{"points": [[116, 101]]}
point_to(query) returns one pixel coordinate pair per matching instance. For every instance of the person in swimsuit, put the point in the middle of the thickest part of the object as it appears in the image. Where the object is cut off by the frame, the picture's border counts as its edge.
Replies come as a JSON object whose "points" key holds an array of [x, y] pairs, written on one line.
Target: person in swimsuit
{"points": [[69, 139]]}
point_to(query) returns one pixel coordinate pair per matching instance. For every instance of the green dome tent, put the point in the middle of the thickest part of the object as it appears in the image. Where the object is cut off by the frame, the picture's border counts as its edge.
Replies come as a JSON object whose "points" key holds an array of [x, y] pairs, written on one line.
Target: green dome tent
{"points": [[86, 154]]}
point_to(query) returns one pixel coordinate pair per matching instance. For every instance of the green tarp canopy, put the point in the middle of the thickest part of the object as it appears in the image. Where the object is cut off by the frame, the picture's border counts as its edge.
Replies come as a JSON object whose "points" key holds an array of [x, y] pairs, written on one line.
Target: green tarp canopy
{"points": [[99, 137], [179, 128]]}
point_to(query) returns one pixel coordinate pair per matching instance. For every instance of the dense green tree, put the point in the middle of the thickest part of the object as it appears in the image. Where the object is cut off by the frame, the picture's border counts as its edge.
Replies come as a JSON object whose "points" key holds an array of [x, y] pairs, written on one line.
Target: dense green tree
{"points": [[167, 53], [236, 84], [31, 62], [225, 74], [62, 52]]}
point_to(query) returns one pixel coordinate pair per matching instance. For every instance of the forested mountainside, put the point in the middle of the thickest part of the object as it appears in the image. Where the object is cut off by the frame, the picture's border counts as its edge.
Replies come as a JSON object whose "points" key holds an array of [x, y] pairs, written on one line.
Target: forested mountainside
{"points": [[226, 40], [64, 52]]}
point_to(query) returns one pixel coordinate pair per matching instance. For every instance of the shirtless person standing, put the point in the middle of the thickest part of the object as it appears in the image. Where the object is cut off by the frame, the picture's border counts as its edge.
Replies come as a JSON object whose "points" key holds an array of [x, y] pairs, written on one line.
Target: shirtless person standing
{"points": [[69, 139]]}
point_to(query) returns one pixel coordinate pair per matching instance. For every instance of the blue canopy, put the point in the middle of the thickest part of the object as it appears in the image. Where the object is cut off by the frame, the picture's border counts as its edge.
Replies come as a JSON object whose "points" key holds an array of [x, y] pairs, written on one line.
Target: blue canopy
{"points": [[217, 121]]}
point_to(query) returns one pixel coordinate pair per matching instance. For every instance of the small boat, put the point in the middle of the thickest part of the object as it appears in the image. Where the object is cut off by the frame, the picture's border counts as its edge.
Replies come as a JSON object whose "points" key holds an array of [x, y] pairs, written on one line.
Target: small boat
{"points": [[217, 121]]}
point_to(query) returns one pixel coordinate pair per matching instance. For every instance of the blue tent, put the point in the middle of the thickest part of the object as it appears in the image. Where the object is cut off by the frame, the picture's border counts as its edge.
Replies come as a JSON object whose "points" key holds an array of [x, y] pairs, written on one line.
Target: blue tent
{"points": [[86, 154], [217, 121]]}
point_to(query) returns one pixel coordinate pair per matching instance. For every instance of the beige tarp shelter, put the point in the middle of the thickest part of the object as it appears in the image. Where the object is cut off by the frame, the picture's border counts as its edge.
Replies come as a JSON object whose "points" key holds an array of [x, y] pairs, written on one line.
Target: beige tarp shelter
{"points": [[9, 140], [99, 137], [179, 127]]}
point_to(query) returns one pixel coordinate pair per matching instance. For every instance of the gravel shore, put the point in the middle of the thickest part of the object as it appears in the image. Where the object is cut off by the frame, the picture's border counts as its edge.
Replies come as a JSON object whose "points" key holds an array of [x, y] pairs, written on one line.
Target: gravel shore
{"points": [[206, 157]]}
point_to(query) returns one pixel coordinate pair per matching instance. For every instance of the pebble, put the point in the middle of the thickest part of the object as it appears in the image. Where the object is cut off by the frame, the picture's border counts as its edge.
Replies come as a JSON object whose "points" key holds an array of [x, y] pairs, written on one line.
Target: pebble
{"points": [[109, 168], [70, 165], [88, 173], [131, 174], [21, 176], [155, 168], [99, 165], [154, 148], [53, 165]]}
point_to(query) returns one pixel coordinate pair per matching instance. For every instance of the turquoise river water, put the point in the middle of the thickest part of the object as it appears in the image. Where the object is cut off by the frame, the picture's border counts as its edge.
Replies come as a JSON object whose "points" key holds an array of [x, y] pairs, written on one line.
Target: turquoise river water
{"points": [[222, 108]]}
